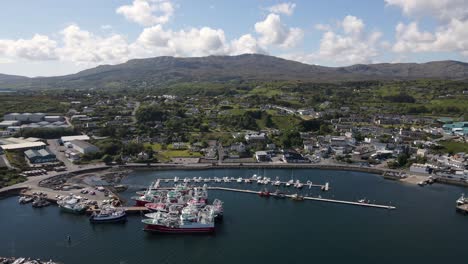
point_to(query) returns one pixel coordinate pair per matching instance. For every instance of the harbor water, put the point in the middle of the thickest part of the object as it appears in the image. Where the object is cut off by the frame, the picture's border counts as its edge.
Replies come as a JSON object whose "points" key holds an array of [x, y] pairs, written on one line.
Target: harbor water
{"points": [[423, 229]]}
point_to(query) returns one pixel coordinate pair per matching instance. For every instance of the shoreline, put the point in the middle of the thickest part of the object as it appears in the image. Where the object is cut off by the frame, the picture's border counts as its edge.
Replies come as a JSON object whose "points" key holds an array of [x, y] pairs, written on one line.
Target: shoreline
{"points": [[387, 174], [198, 166]]}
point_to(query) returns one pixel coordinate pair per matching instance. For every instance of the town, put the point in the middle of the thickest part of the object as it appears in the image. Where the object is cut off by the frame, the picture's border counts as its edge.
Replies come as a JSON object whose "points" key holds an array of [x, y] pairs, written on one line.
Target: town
{"points": [[397, 128]]}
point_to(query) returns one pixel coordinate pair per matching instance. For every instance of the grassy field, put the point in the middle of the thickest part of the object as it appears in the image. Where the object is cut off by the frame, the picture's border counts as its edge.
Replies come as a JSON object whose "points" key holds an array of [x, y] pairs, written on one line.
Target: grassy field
{"points": [[454, 147], [44, 104], [166, 155], [8, 177], [285, 122]]}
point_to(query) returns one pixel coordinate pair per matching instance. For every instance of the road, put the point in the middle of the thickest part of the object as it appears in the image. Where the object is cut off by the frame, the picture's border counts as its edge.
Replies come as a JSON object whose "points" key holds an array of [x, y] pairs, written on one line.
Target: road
{"points": [[4, 161], [59, 151], [33, 181], [137, 105], [220, 153]]}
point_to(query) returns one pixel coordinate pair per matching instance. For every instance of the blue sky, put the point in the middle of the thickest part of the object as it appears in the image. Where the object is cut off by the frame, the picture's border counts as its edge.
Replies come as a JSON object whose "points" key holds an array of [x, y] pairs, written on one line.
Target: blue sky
{"points": [[55, 37]]}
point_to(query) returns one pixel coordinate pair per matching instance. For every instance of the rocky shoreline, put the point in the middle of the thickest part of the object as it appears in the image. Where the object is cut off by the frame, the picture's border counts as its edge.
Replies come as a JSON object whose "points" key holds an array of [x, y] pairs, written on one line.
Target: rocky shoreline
{"points": [[13, 260]]}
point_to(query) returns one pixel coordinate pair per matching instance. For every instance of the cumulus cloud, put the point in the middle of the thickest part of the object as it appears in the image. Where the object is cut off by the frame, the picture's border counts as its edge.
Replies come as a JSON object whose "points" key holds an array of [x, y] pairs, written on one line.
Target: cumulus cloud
{"points": [[147, 12], [83, 47], [283, 8], [191, 42], [352, 46], [442, 9], [347, 44], [245, 44], [39, 47], [352, 25], [273, 32], [449, 36]]}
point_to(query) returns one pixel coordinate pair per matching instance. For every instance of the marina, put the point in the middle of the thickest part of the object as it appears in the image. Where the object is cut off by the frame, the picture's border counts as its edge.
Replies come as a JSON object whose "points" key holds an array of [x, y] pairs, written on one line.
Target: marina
{"points": [[248, 217]]}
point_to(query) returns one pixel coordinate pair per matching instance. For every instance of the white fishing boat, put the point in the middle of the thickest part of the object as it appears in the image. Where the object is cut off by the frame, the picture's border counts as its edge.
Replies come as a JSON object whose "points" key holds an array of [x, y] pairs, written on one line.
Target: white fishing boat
{"points": [[277, 182], [108, 215]]}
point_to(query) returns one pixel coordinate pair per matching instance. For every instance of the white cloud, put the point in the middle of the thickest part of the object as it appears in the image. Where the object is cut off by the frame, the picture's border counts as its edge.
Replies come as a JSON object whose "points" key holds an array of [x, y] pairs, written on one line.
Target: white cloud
{"points": [[245, 44], [147, 12], [352, 25], [39, 47], [283, 8], [156, 41], [442, 9], [322, 27], [351, 46], [83, 47], [106, 27], [273, 32], [450, 38]]}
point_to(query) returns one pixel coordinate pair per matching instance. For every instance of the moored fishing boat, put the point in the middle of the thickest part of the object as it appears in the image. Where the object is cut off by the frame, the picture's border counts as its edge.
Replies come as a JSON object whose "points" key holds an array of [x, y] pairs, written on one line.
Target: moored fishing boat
{"points": [[40, 202], [462, 200], [297, 197], [72, 204], [108, 215], [25, 199], [264, 193], [157, 207], [165, 223]]}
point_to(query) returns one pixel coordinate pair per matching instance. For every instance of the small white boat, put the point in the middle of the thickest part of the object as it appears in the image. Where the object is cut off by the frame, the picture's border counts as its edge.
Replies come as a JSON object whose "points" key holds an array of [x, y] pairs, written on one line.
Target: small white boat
{"points": [[462, 200], [239, 180], [25, 199], [176, 179], [277, 182], [289, 183]]}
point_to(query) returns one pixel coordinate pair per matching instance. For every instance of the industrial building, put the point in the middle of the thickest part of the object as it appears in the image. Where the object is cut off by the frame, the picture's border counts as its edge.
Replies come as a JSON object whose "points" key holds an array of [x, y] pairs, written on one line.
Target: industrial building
{"points": [[84, 147], [21, 143], [40, 156]]}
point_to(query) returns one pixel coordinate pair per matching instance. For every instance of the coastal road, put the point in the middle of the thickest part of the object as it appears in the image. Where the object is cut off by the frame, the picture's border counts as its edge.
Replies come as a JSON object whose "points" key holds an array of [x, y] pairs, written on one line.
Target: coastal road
{"points": [[33, 181]]}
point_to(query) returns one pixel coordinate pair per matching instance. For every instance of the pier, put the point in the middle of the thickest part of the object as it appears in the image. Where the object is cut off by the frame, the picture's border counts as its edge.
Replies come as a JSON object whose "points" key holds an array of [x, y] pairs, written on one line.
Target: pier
{"points": [[271, 182], [313, 199]]}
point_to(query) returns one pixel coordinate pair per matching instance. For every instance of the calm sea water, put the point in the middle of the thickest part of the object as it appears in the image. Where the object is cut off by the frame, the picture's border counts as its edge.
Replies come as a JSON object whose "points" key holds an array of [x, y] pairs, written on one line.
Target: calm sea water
{"points": [[424, 229]]}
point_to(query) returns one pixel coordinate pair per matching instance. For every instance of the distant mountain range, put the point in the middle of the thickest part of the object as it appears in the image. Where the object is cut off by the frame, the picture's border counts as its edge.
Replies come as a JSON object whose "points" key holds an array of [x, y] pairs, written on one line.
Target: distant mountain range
{"points": [[163, 70]]}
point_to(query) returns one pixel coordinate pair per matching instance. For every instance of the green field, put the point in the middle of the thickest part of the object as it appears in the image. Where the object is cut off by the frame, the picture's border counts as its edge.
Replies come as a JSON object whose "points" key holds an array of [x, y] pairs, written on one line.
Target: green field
{"points": [[454, 147]]}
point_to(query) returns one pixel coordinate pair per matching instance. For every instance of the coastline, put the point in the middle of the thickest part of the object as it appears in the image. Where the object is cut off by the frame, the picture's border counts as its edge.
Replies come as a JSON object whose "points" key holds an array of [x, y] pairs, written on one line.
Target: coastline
{"points": [[199, 166], [388, 174]]}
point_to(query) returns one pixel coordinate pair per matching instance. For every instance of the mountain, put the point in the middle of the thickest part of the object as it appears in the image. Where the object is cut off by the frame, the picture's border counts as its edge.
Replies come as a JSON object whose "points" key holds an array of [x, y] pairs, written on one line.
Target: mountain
{"points": [[163, 70]]}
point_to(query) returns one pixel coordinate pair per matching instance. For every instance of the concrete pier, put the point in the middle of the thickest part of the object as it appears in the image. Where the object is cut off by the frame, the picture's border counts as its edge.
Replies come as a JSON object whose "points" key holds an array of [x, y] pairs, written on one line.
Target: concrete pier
{"points": [[313, 199]]}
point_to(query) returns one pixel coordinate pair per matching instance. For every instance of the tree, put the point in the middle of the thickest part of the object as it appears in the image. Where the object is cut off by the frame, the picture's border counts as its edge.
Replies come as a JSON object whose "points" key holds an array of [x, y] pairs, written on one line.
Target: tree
{"points": [[107, 159], [402, 159], [132, 148], [150, 113], [325, 129], [290, 138]]}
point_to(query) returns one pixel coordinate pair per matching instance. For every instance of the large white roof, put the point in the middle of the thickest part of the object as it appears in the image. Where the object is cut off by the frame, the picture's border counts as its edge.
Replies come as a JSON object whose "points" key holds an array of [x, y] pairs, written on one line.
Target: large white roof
{"points": [[22, 145], [71, 138]]}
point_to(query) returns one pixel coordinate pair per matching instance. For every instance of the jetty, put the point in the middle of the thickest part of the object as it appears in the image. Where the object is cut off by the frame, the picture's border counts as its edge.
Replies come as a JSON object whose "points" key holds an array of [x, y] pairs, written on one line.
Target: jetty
{"points": [[318, 199], [271, 182]]}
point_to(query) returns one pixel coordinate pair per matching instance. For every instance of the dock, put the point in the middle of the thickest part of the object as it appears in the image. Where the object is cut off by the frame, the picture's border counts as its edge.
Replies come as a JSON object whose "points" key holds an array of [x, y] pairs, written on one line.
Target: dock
{"points": [[325, 186], [379, 206]]}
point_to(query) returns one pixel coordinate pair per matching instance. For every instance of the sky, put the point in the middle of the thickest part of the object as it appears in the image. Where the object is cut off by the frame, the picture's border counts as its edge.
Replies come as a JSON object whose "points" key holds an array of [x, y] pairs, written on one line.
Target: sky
{"points": [[56, 37]]}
